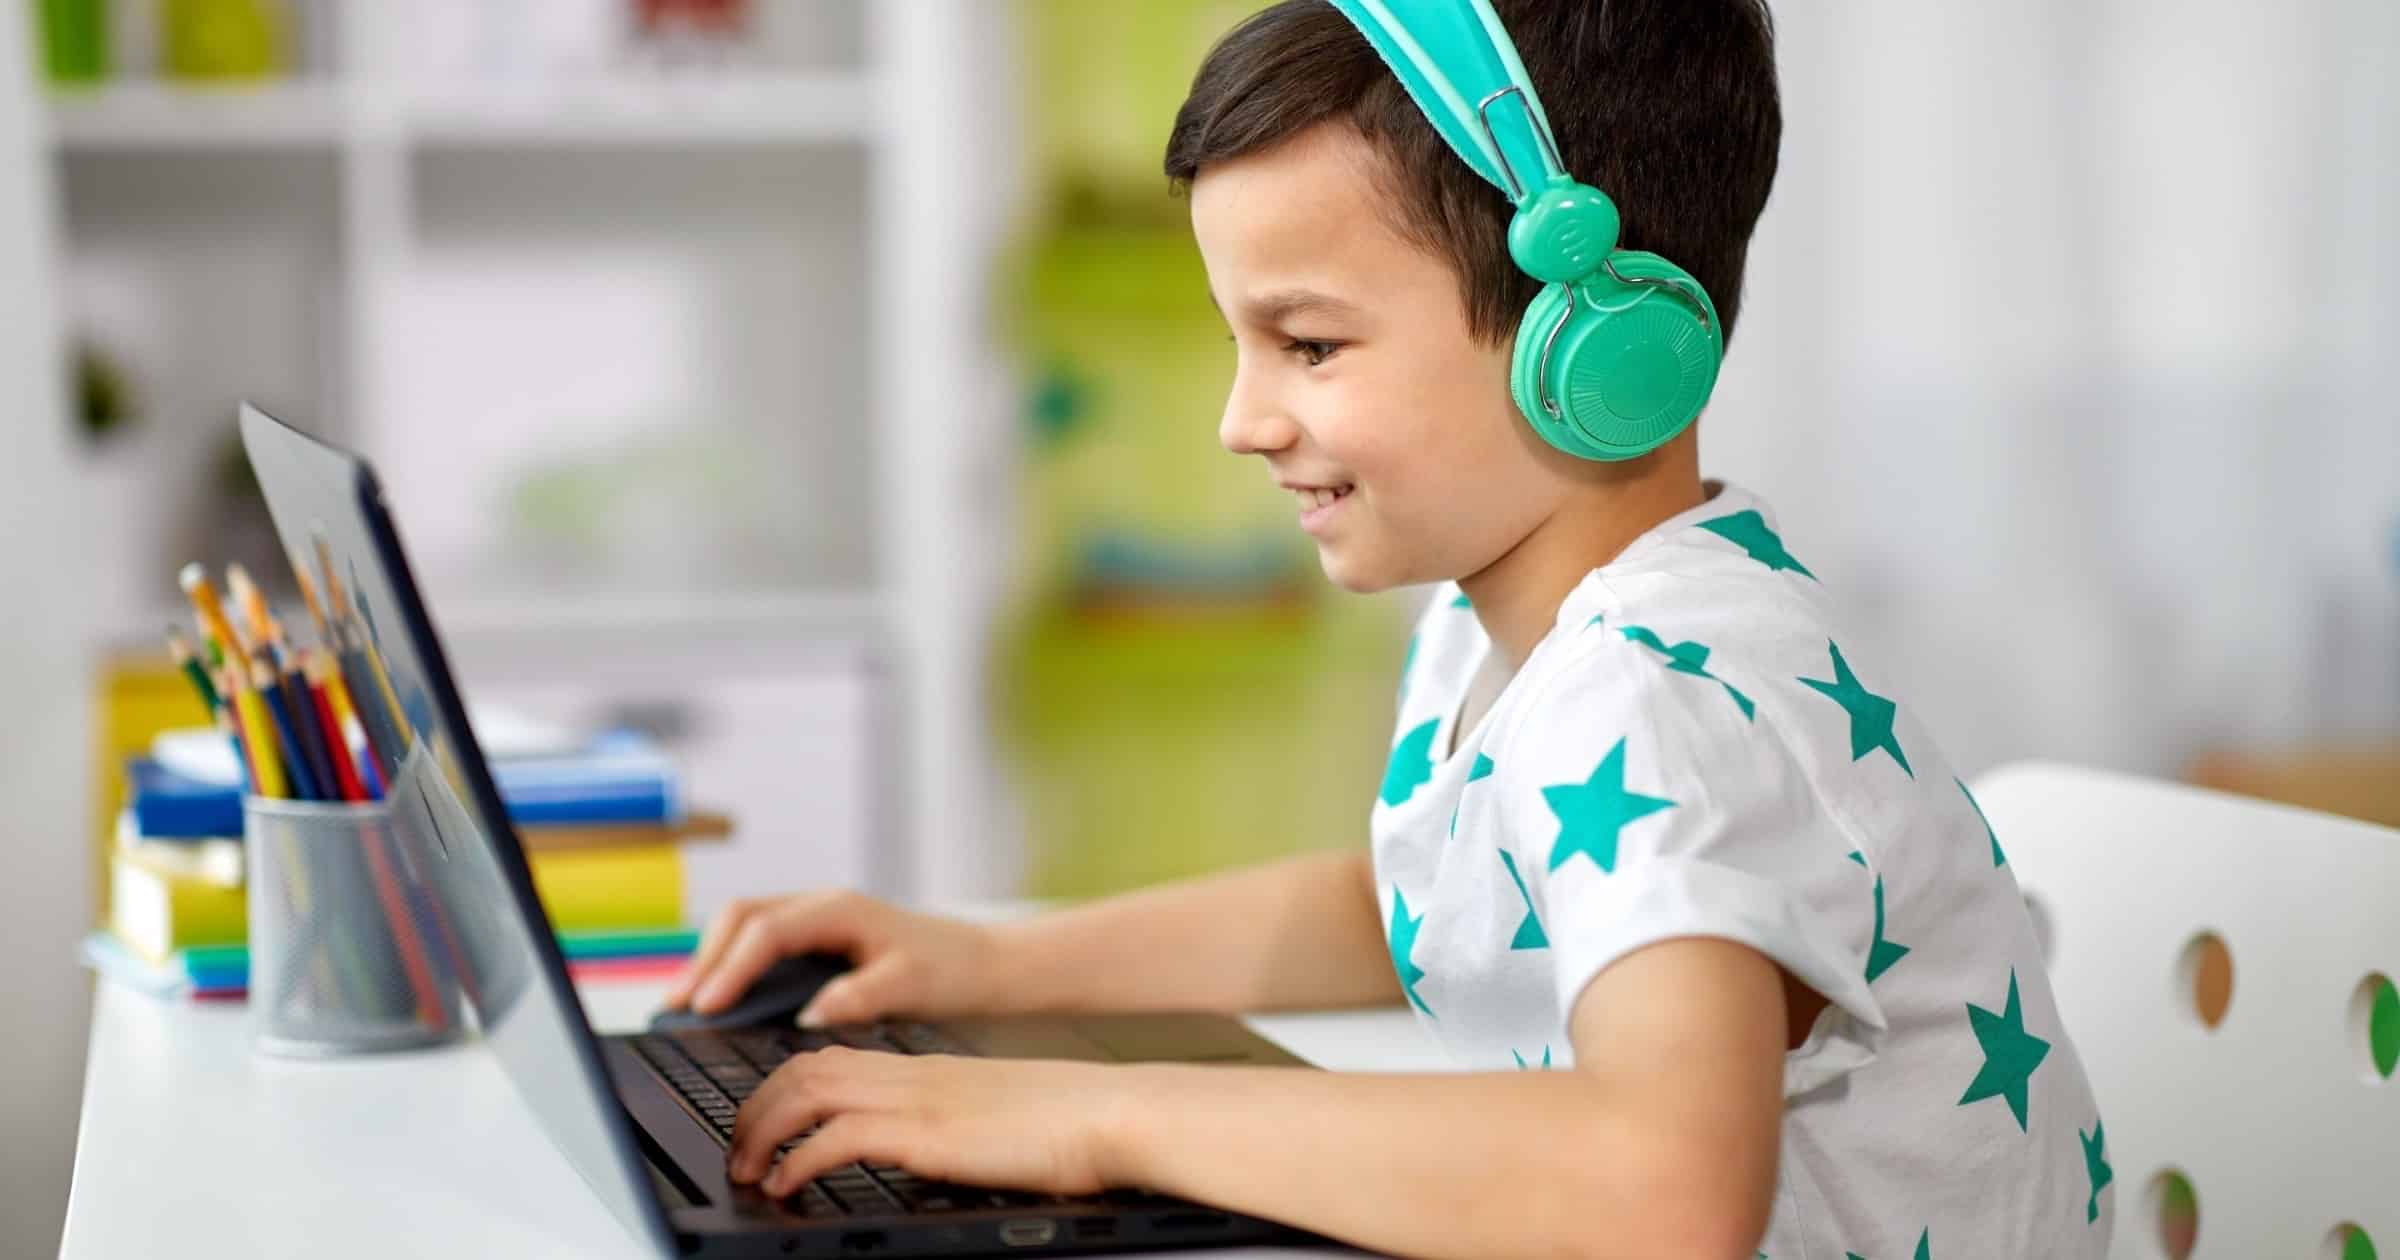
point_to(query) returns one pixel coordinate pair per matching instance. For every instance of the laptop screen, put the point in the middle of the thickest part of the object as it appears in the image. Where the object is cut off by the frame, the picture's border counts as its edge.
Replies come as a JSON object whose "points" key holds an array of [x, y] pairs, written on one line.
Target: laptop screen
{"points": [[456, 844]]}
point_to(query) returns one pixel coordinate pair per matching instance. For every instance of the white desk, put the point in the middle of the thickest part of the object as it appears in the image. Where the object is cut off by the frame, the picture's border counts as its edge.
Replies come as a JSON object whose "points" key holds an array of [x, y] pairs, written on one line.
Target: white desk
{"points": [[191, 1146]]}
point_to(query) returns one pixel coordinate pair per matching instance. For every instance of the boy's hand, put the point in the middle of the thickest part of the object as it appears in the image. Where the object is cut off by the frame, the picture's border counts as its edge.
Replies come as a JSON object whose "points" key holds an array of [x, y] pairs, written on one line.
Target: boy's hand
{"points": [[902, 962], [1025, 1124]]}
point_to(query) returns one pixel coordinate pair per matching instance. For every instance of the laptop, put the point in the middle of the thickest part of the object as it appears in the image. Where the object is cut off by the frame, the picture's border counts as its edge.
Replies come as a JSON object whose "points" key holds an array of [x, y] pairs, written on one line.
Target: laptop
{"points": [[646, 1117]]}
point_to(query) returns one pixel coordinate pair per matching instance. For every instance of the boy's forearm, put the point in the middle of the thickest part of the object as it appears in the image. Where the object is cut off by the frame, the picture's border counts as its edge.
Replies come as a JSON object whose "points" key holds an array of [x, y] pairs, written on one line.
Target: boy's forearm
{"points": [[1484, 1165], [1298, 933]]}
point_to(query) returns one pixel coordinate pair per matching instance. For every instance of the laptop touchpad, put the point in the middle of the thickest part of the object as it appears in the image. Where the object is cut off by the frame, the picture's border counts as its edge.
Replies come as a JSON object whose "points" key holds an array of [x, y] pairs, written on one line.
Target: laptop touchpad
{"points": [[1170, 1037]]}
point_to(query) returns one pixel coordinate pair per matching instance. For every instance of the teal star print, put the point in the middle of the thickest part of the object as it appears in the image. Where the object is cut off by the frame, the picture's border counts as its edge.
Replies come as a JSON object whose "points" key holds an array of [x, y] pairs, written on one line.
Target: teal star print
{"points": [[1529, 933], [1411, 764], [2010, 1054], [1924, 1248], [1688, 658], [2095, 1166], [1748, 530], [1405, 662], [1884, 952], [1998, 858], [1461, 601], [1404, 944], [1858, 857], [1591, 813], [1482, 769], [1521, 1063], [1870, 714]]}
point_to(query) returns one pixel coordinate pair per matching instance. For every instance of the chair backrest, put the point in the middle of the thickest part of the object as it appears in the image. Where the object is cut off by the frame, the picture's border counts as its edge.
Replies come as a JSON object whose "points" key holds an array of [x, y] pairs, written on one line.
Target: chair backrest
{"points": [[2282, 1121]]}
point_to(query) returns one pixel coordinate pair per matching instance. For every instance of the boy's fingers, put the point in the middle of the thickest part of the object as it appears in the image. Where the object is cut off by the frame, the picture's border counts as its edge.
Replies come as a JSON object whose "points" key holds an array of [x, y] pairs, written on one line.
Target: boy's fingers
{"points": [[713, 940], [856, 997], [752, 951]]}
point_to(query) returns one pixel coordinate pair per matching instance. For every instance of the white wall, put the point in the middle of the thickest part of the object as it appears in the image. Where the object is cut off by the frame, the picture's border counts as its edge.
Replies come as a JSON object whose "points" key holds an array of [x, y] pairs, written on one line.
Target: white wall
{"points": [[2065, 358], [45, 739]]}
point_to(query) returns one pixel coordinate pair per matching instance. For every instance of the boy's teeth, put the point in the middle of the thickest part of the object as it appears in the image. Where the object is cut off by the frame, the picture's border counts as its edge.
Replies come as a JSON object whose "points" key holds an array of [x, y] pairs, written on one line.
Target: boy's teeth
{"points": [[1319, 498]]}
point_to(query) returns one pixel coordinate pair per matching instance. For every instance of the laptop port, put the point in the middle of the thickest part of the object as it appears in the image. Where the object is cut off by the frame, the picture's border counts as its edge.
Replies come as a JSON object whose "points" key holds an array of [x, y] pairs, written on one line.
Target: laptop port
{"points": [[860, 1241], [1095, 1227], [1028, 1233]]}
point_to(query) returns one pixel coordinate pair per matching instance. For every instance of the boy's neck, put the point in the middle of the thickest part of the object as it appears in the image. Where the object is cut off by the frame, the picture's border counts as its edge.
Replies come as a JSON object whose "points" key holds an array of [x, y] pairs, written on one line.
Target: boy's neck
{"points": [[1517, 597]]}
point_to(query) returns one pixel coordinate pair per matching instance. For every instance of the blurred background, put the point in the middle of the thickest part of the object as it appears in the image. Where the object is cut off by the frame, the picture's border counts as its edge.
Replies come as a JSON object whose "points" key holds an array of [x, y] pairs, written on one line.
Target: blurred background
{"points": [[827, 389]]}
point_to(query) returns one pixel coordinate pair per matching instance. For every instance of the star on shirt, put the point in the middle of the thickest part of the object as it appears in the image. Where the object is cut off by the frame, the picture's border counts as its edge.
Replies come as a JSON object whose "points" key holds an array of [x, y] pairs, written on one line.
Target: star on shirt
{"points": [[1688, 658], [1884, 952], [1591, 813], [2010, 1054], [1403, 945], [1870, 714], [1748, 530], [1529, 931], [2095, 1166], [1411, 764]]}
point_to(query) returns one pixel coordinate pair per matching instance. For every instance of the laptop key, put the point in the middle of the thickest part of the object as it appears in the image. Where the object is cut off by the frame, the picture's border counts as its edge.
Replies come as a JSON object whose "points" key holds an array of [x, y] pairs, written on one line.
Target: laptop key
{"points": [[812, 1201]]}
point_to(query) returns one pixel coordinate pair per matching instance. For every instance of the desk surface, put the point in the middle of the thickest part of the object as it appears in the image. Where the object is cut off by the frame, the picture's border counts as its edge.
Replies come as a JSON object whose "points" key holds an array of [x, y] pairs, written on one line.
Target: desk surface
{"points": [[189, 1145]]}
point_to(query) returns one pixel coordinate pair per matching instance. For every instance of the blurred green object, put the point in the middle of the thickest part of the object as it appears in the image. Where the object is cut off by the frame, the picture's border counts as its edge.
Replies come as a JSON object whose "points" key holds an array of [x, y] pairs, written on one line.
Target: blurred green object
{"points": [[2383, 1028], [1110, 77], [103, 403], [222, 39], [1178, 689], [1152, 748], [75, 40]]}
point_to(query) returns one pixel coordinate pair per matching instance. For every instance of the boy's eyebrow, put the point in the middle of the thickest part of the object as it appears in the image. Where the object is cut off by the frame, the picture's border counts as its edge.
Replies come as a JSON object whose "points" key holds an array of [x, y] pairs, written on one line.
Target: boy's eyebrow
{"points": [[1273, 308]]}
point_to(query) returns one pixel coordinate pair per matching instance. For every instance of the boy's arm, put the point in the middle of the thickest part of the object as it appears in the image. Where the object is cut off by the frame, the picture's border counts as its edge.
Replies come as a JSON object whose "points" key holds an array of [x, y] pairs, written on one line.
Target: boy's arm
{"points": [[1661, 1141], [1297, 933]]}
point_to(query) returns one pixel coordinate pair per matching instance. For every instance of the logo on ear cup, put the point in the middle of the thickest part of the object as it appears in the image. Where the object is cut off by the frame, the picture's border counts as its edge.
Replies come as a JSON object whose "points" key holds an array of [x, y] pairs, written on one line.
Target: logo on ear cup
{"points": [[1564, 234]]}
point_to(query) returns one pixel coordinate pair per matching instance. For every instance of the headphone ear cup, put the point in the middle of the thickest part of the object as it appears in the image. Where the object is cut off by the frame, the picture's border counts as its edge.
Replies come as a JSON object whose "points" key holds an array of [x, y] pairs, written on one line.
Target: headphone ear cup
{"points": [[1631, 367]]}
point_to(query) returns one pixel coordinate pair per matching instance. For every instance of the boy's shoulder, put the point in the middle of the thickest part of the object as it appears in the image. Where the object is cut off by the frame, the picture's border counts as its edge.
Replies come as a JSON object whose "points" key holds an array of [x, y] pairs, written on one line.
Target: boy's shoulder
{"points": [[1712, 592], [1713, 642]]}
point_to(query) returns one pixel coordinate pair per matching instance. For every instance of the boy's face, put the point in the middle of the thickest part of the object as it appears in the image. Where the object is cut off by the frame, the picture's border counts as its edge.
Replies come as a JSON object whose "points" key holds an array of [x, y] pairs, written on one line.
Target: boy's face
{"points": [[1354, 371]]}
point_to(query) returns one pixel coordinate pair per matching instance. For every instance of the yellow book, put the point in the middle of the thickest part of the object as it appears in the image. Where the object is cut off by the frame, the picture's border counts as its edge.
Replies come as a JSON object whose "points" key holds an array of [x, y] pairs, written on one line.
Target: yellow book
{"points": [[157, 911], [631, 886]]}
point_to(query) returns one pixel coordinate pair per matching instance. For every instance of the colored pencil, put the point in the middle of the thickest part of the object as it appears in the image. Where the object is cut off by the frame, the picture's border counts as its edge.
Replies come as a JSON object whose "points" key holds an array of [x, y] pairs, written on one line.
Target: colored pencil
{"points": [[262, 682], [181, 649], [252, 604], [204, 599], [345, 773], [294, 693], [258, 736]]}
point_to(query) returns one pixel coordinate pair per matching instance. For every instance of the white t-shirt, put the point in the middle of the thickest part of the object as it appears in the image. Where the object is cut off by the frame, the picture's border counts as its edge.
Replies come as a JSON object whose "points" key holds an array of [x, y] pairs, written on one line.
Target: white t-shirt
{"points": [[1690, 751]]}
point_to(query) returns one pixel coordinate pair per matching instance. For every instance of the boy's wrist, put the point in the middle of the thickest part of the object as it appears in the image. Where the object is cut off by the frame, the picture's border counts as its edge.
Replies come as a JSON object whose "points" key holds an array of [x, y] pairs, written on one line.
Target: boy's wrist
{"points": [[1011, 977], [1123, 1116]]}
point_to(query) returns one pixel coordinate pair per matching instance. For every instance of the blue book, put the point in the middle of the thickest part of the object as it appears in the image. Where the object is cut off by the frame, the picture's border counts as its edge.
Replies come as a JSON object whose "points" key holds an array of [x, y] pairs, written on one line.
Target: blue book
{"points": [[620, 779]]}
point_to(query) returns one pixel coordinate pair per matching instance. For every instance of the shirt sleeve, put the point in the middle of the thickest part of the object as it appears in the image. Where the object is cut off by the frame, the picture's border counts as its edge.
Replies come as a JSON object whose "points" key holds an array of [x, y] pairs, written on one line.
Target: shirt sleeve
{"points": [[1645, 804]]}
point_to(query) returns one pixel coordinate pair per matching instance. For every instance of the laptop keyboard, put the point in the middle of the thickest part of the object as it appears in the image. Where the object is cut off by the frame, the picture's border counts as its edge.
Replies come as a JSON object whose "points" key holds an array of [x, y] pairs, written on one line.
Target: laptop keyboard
{"points": [[715, 1072]]}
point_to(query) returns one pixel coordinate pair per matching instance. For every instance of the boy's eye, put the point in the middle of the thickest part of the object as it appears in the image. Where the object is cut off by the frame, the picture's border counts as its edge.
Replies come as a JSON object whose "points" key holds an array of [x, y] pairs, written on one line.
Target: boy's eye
{"points": [[1312, 352]]}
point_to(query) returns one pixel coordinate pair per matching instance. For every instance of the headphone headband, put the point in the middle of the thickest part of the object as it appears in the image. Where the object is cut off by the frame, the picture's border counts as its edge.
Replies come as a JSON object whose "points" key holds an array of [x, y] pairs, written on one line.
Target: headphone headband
{"points": [[1456, 62]]}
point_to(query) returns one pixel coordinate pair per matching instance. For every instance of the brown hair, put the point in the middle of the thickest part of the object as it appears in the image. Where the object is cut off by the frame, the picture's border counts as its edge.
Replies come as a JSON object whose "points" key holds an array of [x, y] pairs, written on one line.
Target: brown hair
{"points": [[1669, 106]]}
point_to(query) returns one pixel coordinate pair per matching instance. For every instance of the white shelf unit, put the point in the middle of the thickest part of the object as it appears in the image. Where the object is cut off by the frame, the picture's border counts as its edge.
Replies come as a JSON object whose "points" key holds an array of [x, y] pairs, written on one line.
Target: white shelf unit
{"points": [[459, 272]]}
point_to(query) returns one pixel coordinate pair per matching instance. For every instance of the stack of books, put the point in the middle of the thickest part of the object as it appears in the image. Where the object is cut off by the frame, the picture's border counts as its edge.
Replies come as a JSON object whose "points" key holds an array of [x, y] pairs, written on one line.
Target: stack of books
{"points": [[603, 829]]}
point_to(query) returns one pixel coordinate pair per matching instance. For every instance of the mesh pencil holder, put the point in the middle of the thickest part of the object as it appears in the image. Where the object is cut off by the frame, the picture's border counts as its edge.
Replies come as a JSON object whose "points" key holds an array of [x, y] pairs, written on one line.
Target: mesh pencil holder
{"points": [[346, 956]]}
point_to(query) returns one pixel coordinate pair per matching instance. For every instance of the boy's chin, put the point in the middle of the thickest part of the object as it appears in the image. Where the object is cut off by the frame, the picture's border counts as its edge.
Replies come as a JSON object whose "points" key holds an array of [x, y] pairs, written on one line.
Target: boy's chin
{"points": [[1349, 575]]}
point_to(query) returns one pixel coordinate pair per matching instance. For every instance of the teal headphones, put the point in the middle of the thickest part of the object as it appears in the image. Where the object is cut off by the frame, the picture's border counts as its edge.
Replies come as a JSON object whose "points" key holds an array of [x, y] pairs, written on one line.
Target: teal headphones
{"points": [[1619, 350]]}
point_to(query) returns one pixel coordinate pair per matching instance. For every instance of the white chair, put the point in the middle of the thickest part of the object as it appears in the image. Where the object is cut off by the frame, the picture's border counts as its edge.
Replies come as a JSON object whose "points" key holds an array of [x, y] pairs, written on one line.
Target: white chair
{"points": [[2278, 1116]]}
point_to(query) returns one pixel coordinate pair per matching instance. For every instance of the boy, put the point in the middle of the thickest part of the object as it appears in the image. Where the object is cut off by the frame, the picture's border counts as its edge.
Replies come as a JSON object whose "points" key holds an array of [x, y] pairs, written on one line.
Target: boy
{"points": [[1646, 828]]}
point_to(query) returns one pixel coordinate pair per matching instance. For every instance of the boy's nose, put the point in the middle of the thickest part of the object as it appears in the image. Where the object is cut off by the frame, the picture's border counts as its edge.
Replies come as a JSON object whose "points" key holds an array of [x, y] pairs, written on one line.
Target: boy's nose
{"points": [[1249, 430]]}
